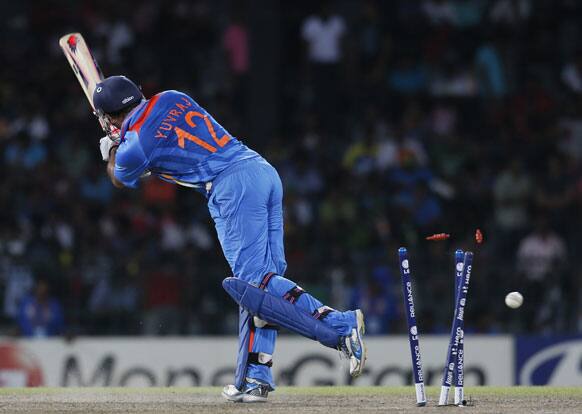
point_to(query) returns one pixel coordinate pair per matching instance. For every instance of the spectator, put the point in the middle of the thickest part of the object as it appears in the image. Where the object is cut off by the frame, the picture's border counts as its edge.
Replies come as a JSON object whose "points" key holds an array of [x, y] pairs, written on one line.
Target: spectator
{"points": [[540, 260], [114, 304], [541, 253], [378, 300], [510, 12], [426, 210], [120, 39], [323, 34], [40, 315], [235, 41], [555, 192], [439, 12], [360, 156], [454, 80], [373, 46], [17, 278], [490, 70], [571, 134], [468, 13], [512, 191], [398, 120], [572, 75], [408, 77]]}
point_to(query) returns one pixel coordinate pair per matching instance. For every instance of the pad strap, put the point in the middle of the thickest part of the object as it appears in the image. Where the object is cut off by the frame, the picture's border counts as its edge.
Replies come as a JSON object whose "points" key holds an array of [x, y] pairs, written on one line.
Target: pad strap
{"points": [[266, 280], [322, 312], [293, 294], [260, 358]]}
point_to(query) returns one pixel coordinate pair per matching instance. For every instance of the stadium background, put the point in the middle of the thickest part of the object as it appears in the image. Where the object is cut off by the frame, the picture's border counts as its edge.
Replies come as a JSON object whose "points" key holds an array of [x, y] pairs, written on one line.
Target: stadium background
{"points": [[426, 116]]}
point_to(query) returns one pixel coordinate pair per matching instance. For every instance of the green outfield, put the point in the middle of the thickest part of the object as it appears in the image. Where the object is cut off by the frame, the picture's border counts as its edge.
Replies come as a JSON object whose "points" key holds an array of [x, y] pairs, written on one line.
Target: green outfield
{"points": [[285, 400]]}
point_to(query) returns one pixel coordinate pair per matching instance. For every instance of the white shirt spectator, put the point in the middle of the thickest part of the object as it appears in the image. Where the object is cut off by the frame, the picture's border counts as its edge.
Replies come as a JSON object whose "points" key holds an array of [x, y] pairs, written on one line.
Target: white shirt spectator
{"points": [[172, 234], [572, 77], [571, 137], [439, 12], [538, 254], [510, 11], [511, 191], [38, 128], [199, 236], [324, 38], [120, 37], [461, 83], [387, 155]]}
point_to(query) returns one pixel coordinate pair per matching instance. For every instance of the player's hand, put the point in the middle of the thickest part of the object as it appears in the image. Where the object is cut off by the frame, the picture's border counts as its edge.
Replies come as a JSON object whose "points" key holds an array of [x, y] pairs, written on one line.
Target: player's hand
{"points": [[105, 145]]}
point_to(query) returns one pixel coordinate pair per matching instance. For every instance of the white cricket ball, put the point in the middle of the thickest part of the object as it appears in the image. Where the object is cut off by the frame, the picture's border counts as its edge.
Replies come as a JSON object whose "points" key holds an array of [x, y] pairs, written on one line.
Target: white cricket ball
{"points": [[514, 300]]}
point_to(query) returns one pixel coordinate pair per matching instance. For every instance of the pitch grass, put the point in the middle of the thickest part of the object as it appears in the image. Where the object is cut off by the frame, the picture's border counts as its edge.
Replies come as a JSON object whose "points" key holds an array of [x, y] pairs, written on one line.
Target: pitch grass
{"points": [[324, 400], [517, 391]]}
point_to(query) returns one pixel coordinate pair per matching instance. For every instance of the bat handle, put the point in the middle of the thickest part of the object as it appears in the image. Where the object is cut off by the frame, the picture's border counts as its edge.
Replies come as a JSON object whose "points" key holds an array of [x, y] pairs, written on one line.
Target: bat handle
{"points": [[110, 130]]}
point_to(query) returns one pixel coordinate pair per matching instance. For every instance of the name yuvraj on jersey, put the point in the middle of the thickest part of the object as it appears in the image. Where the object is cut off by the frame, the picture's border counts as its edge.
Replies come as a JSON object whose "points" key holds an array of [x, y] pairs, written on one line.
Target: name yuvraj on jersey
{"points": [[177, 111]]}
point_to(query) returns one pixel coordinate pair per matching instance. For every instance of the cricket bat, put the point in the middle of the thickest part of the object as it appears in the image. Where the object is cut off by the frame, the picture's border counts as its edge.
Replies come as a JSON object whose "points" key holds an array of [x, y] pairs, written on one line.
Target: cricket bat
{"points": [[87, 72]]}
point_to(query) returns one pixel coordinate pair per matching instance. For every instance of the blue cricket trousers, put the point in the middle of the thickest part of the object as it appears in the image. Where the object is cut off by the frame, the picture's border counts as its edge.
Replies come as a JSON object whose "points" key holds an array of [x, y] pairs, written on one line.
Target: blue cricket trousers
{"points": [[246, 204]]}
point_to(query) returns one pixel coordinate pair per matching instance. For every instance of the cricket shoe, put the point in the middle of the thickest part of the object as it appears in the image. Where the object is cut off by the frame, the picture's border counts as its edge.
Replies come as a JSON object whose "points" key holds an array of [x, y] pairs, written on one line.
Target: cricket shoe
{"points": [[354, 348], [253, 391]]}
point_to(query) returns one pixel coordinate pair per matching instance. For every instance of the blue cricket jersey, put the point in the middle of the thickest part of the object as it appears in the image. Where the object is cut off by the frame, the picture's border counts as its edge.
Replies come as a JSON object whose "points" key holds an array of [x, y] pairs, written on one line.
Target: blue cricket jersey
{"points": [[173, 137]]}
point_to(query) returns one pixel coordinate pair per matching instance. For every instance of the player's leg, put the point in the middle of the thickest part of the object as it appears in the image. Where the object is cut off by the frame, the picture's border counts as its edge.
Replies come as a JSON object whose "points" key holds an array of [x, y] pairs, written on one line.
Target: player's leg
{"points": [[348, 324], [252, 385], [264, 338], [238, 206], [344, 331]]}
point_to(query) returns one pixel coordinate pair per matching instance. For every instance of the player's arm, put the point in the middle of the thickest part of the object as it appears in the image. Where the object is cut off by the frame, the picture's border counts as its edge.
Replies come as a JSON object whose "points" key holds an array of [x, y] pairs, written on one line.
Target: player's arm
{"points": [[111, 167], [126, 160]]}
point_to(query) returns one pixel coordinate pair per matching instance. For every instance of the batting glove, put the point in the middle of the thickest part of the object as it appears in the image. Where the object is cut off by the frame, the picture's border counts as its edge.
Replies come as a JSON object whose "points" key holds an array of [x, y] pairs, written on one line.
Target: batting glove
{"points": [[105, 145]]}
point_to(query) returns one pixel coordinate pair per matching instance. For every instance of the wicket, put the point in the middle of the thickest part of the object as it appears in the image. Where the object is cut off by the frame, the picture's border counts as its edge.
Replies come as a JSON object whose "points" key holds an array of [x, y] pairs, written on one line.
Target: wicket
{"points": [[460, 366], [405, 272], [454, 366], [456, 331]]}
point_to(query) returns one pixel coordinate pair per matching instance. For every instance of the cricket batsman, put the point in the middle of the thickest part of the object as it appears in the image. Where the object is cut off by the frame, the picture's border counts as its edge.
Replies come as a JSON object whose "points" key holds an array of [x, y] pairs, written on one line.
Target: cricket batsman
{"points": [[172, 137]]}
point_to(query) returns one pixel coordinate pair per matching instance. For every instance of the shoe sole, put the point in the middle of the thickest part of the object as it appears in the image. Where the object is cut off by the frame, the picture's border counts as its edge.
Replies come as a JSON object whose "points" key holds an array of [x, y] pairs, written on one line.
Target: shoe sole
{"points": [[233, 398], [361, 330], [253, 399], [243, 398]]}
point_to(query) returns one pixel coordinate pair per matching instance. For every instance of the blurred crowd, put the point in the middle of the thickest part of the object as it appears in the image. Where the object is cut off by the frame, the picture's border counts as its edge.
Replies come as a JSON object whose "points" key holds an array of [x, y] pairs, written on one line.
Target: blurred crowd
{"points": [[394, 120]]}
